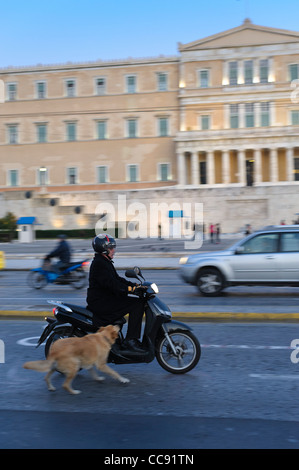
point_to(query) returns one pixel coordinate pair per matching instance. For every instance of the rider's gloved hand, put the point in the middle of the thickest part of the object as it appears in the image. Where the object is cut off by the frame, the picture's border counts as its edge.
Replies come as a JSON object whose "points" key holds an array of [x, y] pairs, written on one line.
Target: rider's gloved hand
{"points": [[137, 290], [140, 290]]}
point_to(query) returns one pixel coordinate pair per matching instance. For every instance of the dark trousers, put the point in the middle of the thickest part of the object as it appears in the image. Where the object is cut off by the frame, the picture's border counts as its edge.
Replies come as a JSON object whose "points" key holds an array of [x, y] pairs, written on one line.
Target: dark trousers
{"points": [[131, 305]]}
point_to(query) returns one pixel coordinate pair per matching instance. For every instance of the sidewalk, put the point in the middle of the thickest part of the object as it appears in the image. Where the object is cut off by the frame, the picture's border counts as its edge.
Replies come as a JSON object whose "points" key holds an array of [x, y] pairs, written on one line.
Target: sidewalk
{"points": [[149, 260]]}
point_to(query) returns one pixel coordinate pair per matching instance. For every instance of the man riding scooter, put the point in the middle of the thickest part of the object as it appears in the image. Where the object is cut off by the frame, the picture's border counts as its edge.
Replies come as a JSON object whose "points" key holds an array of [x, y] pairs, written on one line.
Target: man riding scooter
{"points": [[107, 294], [171, 342], [63, 252]]}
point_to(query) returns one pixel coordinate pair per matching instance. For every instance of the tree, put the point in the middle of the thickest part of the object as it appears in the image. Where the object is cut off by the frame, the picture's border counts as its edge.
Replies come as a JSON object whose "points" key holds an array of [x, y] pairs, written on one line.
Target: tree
{"points": [[8, 225]]}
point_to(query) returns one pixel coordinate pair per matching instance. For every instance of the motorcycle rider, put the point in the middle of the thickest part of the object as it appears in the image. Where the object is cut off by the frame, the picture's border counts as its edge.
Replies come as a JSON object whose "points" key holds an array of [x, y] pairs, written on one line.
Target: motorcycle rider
{"points": [[107, 294], [63, 252]]}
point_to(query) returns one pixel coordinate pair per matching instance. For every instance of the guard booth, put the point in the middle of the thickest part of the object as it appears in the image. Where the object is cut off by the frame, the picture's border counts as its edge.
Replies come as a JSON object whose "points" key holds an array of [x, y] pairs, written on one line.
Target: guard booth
{"points": [[26, 229], [175, 223]]}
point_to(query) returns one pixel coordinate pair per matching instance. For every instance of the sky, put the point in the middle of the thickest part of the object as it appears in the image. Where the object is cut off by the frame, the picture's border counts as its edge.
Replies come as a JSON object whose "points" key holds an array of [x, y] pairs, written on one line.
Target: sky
{"points": [[59, 31]]}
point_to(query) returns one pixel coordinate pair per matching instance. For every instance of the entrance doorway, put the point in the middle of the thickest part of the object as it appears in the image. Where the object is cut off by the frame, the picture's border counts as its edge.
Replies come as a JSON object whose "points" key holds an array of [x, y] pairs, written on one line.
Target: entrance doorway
{"points": [[249, 172]]}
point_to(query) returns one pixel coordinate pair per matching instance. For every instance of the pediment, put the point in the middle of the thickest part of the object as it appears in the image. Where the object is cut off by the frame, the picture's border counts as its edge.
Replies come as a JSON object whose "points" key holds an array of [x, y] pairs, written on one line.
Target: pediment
{"points": [[247, 34]]}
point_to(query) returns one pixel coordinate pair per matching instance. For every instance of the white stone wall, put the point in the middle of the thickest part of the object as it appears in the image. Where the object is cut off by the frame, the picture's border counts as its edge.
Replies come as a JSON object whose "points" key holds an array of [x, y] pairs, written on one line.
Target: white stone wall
{"points": [[232, 207]]}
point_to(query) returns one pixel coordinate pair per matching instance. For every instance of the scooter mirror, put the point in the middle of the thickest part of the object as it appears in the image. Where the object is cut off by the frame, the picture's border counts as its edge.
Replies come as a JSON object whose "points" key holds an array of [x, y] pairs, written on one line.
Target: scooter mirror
{"points": [[130, 273], [137, 271]]}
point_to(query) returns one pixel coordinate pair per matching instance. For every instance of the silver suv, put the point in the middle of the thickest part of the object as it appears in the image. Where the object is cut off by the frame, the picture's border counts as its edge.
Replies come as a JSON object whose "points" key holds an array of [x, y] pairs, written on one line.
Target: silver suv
{"points": [[267, 257]]}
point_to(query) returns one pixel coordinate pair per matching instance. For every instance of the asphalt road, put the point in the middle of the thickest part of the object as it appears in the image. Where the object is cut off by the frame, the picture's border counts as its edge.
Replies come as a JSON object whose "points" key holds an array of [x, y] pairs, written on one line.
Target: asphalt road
{"points": [[179, 296], [242, 394]]}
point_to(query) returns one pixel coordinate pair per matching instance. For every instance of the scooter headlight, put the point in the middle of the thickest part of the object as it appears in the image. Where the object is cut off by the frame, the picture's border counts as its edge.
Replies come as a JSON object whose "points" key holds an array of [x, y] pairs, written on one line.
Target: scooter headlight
{"points": [[155, 288]]}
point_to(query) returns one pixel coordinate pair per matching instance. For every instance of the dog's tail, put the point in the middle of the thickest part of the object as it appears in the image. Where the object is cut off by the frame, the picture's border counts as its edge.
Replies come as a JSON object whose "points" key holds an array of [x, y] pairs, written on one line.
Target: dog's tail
{"points": [[40, 366]]}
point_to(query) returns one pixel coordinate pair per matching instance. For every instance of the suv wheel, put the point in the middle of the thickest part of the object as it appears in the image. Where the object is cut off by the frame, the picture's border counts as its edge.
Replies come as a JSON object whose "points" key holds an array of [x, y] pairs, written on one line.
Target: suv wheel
{"points": [[210, 282]]}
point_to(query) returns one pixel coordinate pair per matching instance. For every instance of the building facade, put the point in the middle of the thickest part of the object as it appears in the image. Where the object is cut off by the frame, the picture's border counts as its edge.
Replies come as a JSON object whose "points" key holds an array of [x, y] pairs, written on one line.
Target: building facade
{"points": [[218, 124], [239, 110]]}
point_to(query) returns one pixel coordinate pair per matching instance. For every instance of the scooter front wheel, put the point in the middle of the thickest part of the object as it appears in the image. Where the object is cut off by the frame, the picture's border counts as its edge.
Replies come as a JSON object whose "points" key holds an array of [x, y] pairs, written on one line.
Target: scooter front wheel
{"points": [[36, 280], [182, 355]]}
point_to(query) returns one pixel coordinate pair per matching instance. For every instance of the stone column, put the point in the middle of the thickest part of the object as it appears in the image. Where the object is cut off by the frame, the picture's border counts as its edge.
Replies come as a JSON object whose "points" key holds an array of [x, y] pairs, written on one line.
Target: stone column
{"points": [[257, 166], [256, 71], [194, 168], [241, 78], [225, 167], [210, 167], [241, 167], [181, 168], [290, 164], [273, 166], [225, 79]]}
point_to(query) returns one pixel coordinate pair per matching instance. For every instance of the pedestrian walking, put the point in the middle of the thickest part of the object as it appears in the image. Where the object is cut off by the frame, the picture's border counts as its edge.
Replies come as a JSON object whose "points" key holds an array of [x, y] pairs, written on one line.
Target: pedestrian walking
{"points": [[248, 229], [218, 231], [211, 229]]}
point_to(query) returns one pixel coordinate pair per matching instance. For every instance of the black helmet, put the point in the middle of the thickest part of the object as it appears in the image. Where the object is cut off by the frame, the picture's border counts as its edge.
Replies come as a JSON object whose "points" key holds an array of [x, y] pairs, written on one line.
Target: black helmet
{"points": [[103, 242]]}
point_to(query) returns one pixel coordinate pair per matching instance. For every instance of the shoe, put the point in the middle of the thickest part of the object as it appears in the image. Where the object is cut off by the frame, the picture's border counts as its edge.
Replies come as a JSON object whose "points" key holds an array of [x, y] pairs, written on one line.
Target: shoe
{"points": [[133, 345]]}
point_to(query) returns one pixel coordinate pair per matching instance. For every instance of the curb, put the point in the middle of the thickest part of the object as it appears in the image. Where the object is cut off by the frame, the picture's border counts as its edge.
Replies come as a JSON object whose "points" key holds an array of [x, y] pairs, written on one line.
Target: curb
{"points": [[14, 314], [186, 316]]}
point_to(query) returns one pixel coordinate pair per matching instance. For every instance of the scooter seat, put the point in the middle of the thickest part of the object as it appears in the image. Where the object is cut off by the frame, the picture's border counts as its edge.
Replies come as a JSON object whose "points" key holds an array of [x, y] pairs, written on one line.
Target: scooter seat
{"points": [[73, 263], [87, 313], [77, 308]]}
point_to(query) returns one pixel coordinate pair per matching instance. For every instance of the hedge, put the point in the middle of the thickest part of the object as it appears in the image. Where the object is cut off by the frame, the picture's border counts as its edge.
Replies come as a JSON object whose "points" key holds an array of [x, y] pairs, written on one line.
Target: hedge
{"points": [[75, 233]]}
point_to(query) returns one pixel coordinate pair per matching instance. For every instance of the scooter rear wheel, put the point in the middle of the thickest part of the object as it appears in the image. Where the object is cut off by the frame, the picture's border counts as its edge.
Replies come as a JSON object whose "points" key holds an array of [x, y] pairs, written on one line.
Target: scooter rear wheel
{"points": [[187, 354], [78, 279], [59, 333]]}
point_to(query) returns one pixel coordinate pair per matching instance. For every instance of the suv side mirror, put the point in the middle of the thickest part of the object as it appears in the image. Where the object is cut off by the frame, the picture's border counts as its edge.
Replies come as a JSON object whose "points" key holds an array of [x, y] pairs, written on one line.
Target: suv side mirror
{"points": [[239, 250]]}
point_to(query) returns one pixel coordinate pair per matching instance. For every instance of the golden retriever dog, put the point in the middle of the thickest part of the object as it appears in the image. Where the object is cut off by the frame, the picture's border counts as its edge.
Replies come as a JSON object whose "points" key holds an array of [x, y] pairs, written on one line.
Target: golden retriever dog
{"points": [[69, 355]]}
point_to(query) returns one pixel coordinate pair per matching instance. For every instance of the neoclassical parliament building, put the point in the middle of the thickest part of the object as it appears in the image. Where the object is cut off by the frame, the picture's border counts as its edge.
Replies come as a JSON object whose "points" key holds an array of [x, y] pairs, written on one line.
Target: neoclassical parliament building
{"points": [[218, 124]]}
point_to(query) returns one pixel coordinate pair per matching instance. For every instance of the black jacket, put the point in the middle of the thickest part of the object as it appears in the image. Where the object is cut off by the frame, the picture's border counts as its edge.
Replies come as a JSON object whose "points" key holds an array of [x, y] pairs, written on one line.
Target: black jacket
{"points": [[62, 251], [107, 290]]}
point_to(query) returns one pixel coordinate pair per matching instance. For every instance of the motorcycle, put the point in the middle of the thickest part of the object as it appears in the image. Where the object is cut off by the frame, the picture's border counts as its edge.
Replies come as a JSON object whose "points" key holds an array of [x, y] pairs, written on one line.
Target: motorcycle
{"points": [[73, 274], [175, 347]]}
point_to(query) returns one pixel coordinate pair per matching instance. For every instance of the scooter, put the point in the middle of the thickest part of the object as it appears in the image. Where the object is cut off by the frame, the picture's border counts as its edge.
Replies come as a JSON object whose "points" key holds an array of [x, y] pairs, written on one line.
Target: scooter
{"points": [[73, 274], [173, 344]]}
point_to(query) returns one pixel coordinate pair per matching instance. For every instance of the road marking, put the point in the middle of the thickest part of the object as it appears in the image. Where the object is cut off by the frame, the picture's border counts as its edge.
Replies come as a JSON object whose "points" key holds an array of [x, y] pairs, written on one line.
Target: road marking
{"points": [[243, 346], [28, 341], [273, 376]]}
